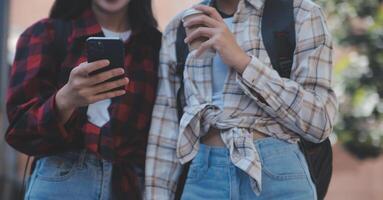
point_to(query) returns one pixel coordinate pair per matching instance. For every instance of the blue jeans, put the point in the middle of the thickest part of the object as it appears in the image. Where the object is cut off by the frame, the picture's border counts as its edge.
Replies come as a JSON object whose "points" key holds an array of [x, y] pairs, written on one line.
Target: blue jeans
{"points": [[285, 174], [71, 175]]}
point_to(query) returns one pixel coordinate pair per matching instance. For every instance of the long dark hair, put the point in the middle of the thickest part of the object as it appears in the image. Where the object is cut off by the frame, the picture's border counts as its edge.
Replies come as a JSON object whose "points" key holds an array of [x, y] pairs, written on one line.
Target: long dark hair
{"points": [[140, 12]]}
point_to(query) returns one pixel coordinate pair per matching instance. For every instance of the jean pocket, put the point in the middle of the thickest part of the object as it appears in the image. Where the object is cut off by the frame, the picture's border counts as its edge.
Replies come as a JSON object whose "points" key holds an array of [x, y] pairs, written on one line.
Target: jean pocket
{"points": [[56, 168], [283, 166]]}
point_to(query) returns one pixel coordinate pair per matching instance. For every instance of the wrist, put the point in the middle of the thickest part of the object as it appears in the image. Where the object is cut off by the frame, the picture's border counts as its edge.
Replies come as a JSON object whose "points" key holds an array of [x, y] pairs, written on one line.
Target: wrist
{"points": [[242, 63], [63, 104]]}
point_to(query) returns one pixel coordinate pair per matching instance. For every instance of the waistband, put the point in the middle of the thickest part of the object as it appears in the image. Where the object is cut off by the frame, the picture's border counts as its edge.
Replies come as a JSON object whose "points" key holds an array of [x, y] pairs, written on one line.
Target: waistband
{"points": [[81, 156], [212, 155], [221, 156]]}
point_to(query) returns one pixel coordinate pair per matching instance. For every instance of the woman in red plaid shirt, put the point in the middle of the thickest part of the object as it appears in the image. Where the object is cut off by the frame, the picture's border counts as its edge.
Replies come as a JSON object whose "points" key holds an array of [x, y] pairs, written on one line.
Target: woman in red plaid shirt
{"points": [[86, 137]]}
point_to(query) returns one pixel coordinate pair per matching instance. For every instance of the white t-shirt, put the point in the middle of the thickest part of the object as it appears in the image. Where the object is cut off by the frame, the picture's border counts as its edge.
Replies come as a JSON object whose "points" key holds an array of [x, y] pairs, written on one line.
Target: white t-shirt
{"points": [[98, 113]]}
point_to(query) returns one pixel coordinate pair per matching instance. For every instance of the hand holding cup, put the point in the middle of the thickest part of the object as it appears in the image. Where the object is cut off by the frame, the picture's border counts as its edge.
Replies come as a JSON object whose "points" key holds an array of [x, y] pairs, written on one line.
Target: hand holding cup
{"points": [[211, 25]]}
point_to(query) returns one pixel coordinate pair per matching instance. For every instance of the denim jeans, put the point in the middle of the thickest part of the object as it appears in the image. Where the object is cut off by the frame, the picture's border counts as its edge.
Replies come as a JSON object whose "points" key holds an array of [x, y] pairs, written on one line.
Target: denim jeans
{"points": [[285, 174], [71, 175]]}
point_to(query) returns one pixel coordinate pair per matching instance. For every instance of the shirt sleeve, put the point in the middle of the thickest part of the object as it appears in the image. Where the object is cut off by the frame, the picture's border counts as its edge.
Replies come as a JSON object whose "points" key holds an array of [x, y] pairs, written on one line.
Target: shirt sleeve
{"points": [[305, 103], [34, 127], [162, 166]]}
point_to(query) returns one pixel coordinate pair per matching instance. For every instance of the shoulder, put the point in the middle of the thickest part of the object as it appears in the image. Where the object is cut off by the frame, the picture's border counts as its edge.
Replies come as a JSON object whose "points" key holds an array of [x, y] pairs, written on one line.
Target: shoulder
{"points": [[40, 33], [45, 29], [171, 28], [306, 9], [170, 31], [41, 27], [311, 23]]}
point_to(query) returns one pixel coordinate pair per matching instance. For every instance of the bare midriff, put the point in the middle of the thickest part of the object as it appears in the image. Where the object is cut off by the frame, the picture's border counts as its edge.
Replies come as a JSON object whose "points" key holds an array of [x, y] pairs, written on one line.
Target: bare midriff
{"points": [[213, 137]]}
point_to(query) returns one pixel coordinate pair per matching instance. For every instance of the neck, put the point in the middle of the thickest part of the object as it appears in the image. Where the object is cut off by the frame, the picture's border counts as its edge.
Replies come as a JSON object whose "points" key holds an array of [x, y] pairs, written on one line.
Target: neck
{"points": [[117, 21], [227, 6]]}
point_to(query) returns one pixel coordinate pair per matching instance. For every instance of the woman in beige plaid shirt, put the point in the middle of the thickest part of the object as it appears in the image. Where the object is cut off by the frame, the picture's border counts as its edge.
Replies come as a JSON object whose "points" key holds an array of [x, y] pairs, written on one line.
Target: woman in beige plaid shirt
{"points": [[243, 142]]}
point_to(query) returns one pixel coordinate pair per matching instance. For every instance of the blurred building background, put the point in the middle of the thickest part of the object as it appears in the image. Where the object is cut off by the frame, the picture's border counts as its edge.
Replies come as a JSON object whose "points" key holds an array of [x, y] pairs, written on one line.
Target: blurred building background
{"points": [[357, 26]]}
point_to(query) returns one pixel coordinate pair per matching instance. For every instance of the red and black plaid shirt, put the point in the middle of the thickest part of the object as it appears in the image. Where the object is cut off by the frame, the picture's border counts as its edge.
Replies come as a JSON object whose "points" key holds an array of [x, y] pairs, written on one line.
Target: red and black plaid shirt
{"points": [[38, 73]]}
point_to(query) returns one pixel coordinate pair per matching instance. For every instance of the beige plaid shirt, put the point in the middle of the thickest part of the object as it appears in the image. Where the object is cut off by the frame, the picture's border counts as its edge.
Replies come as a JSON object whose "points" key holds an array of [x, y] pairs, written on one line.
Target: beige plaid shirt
{"points": [[303, 105]]}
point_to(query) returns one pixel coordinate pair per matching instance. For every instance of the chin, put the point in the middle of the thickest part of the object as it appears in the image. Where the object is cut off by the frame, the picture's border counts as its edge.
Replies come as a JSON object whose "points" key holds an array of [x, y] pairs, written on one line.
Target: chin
{"points": [[111, 6]]}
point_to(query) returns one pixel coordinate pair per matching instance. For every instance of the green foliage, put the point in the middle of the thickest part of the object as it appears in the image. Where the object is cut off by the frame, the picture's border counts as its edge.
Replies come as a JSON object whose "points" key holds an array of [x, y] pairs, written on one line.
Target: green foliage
{"points": [[357, 26]]}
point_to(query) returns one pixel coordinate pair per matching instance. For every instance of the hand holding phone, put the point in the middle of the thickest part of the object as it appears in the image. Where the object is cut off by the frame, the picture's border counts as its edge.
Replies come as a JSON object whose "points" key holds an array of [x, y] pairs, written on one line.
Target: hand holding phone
{"points": [[102, 77], [82, 89]]}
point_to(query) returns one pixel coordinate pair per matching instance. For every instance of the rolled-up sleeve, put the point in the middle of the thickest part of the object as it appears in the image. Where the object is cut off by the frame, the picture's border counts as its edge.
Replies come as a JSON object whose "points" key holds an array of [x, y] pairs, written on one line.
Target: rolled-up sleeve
{"points": [[34, 126], [305, 103]]}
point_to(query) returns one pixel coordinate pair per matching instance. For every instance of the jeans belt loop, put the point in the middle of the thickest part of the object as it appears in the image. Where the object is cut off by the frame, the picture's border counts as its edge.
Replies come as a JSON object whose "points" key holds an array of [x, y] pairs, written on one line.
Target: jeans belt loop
{"points": [[207, 156]]}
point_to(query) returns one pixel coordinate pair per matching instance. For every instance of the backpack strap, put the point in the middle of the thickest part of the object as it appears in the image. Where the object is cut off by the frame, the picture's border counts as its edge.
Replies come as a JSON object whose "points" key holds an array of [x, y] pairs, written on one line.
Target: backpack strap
{"points": [[279, 35], [182, 51]]}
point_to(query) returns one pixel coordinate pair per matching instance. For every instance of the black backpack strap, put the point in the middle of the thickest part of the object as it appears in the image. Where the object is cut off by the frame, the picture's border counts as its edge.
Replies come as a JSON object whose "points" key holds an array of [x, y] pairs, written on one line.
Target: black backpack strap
{"points": [[278, 32], [182, 51]]}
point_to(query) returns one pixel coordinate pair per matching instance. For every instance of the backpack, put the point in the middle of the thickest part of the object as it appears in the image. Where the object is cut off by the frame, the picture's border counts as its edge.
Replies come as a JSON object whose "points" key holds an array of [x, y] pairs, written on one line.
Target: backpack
{"points": [[278, 32]]}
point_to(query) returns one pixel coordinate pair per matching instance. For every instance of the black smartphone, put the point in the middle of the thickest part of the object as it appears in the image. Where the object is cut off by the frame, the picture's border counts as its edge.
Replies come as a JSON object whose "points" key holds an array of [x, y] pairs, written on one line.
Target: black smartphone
{"points": [[110, 48]]}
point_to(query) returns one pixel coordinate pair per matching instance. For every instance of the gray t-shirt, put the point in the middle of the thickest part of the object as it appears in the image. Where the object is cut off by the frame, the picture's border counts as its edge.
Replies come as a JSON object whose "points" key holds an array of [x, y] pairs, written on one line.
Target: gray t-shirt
{"points": [[219, 72]]}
